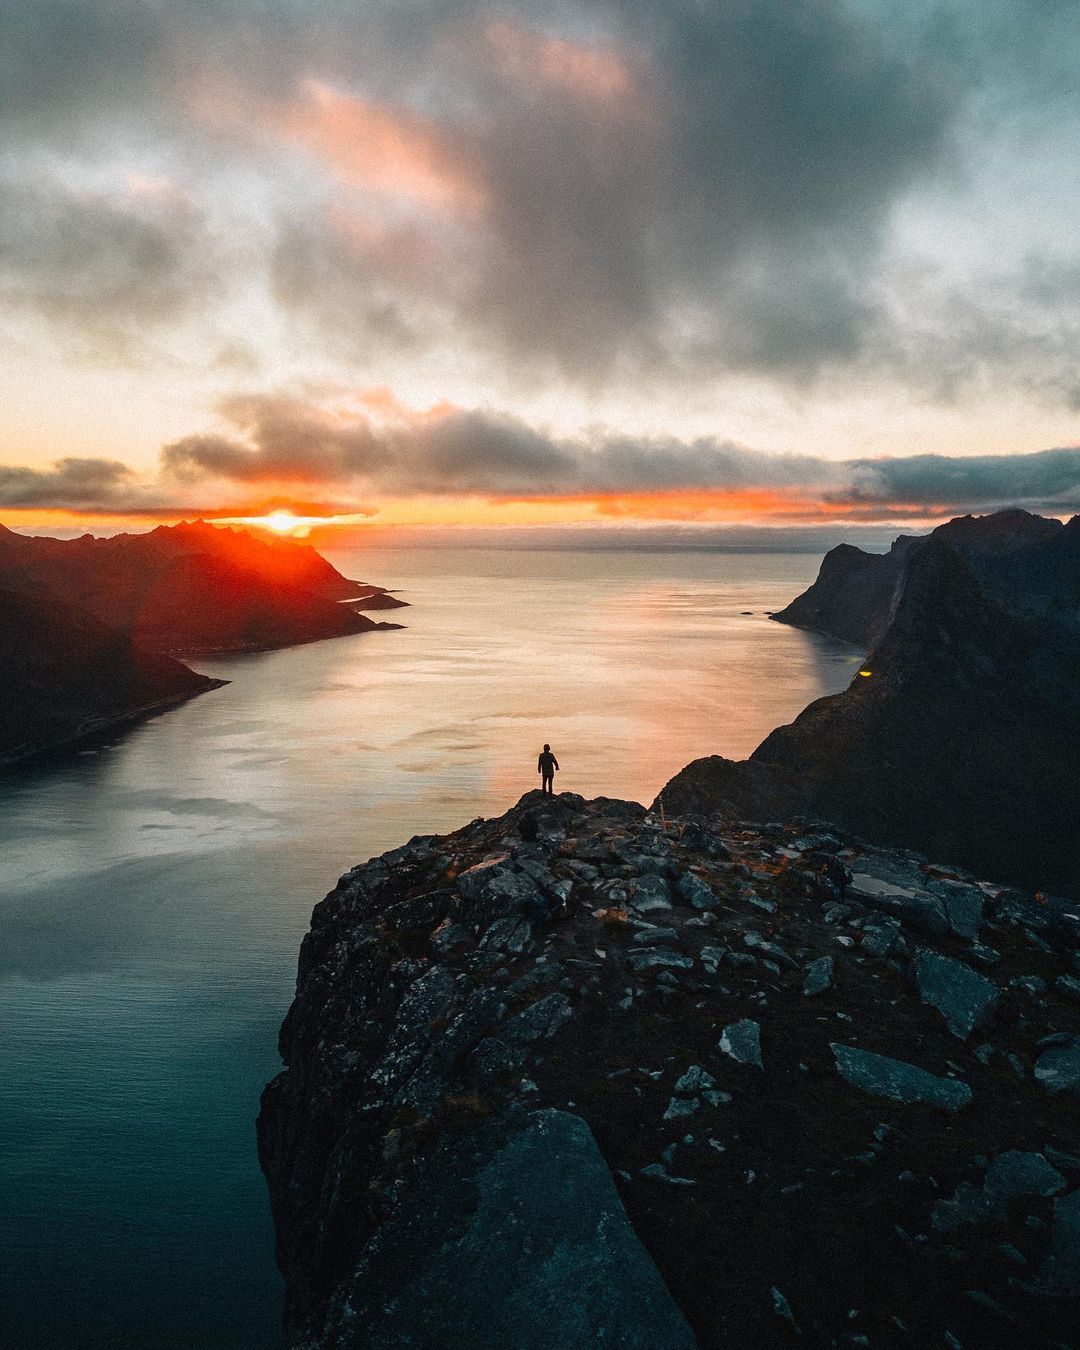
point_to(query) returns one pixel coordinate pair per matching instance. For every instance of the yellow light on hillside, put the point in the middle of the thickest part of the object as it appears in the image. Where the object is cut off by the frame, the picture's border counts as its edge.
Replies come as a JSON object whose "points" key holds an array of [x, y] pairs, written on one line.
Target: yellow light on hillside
{"points": [[866, 674]]}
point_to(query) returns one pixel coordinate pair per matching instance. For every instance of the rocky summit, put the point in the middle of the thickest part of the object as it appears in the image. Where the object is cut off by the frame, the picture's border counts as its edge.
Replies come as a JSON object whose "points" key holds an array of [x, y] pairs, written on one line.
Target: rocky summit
{"points": [[585, 1076]]}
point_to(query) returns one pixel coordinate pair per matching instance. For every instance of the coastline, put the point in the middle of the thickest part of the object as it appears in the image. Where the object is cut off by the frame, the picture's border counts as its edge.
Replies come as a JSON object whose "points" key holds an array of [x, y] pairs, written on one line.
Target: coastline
{"points": [[103, 728]]}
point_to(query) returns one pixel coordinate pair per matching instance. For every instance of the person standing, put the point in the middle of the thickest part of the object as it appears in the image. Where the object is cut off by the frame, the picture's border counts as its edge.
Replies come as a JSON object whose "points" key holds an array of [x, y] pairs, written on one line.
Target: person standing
{"points": [[547, 766]]}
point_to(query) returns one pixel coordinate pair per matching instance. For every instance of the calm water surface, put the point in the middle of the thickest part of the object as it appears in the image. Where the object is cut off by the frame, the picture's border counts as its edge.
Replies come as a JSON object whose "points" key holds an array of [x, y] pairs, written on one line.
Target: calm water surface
{"points": [[153, 895]]}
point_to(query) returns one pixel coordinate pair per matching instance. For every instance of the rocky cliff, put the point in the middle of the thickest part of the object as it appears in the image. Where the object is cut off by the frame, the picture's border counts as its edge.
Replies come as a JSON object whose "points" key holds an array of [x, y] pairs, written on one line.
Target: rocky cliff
{"points": [[580, 1077], [957, 737], [1026, 562]]}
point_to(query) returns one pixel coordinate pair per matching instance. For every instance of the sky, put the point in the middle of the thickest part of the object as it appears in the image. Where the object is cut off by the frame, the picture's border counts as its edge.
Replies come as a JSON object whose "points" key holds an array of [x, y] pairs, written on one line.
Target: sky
{"points": [[758, 263]]}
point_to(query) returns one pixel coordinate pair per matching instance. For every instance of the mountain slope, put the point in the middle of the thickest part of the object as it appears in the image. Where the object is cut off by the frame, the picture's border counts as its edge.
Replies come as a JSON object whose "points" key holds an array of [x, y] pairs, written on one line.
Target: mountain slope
{"points": [[960, 742], [194, 587], [1030, 563], [67, 677]]}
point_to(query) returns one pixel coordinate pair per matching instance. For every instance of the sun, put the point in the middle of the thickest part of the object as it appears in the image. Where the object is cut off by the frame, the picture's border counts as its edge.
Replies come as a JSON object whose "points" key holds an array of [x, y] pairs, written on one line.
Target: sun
{"points": [[282, 522], [286, 522]]}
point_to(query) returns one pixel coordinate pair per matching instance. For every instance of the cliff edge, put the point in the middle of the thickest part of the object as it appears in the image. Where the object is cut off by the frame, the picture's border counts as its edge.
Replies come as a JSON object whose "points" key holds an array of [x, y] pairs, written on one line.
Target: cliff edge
{"points": [[575, 1077]]}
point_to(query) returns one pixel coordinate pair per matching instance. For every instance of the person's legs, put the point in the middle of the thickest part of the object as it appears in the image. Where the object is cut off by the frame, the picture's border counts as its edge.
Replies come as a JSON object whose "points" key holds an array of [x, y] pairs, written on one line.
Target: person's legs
{"points": [[548, 783]]}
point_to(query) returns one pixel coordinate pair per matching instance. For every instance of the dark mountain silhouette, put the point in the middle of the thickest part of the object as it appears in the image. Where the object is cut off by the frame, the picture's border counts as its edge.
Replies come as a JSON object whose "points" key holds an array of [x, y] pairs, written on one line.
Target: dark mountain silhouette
{"points": [[85, 624], [961, 742], [67, 677], [1030, 563], [193, 587]]}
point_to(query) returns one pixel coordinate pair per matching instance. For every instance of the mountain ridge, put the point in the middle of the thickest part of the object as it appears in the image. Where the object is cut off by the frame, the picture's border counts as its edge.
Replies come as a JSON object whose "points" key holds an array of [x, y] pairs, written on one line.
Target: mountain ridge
{"points": [[89, 627], [956, 739]]}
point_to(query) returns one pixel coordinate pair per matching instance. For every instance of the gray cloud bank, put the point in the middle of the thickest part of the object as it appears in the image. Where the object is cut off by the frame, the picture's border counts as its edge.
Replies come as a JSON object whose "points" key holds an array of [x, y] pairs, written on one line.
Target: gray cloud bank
{"points": [[593, 191], [292, 446]]}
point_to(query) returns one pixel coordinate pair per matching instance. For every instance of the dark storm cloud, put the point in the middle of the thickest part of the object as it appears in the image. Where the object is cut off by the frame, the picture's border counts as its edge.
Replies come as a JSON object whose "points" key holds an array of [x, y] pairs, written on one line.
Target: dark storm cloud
{"points": [[712, 178], [476, 452], [81, 484], [288, 440], [1049, 479], [613, 189], [105, 268]]}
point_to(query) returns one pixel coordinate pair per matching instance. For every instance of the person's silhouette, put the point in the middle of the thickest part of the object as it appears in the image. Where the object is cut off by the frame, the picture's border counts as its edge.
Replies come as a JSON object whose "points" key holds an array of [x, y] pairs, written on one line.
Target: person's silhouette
{"points": [[546, 767]]}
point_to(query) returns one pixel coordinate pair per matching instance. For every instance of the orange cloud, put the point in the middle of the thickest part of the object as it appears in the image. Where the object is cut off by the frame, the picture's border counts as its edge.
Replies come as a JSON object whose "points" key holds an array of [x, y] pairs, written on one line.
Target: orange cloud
{"points": [[384, 148], [594, 73], [381, 147]]}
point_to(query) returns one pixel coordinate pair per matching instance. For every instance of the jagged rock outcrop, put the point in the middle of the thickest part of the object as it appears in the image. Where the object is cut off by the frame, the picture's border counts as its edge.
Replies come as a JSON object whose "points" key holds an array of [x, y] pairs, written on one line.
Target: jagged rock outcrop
{"points": [[193, 587], [853, 594], [959, 741], [66, 678], [1027, 562], [766, 1061]]}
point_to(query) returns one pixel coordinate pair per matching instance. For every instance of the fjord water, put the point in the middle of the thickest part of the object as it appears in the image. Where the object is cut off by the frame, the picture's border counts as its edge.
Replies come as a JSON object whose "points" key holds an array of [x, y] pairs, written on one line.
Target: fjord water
{"points": [[153, 895]]}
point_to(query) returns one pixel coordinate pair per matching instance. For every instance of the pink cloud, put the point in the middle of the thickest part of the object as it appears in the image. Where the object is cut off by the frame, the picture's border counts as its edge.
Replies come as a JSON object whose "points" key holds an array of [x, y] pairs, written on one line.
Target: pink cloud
{"points": [[378, 146], [384, 148], [600, 74]]}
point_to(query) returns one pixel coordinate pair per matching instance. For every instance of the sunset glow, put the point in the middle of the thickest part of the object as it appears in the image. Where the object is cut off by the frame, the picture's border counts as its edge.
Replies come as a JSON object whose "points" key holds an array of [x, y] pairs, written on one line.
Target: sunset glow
{"points": [[281, 521], [490, 266]]}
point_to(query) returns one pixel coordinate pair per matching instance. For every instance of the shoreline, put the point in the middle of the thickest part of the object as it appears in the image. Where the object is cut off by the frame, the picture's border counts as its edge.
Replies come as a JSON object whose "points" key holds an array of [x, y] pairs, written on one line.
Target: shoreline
{"points": [[103, 728]]}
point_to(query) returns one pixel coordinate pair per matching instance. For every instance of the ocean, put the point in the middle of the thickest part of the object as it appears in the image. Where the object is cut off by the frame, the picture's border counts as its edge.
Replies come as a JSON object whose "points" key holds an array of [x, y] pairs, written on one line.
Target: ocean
{"points": [[154, 893]]}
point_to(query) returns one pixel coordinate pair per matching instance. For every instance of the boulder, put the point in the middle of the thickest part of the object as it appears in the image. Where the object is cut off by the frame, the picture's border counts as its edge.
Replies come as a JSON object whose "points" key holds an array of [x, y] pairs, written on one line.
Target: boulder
{"points": [[496, 890], [652, 937], [695, 1079], [649, 893], [963, 907], [692, 891], [540, 1253], [916, 908], [897, 1080], [770, 949], [742, 1042], [880, 934], [818, 976], [1010, 1174], [541, 1019], [1018, 1173], [1058, 1069], [657, 958], [964, 998], [507, 935]]}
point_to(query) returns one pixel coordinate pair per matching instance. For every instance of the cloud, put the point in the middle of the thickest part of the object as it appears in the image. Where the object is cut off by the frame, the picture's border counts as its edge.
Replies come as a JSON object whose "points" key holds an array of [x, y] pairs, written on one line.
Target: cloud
{"points": [[75, 484], [712, 183], [1046, 480], [338, 450], [103, 267], [372, 444], [592, 196]]}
